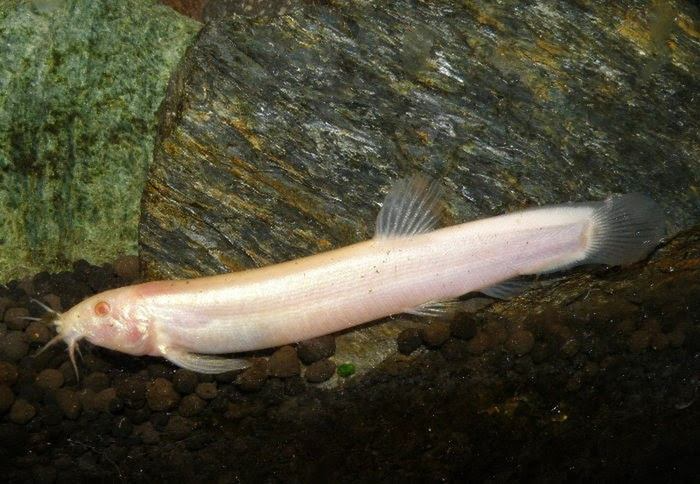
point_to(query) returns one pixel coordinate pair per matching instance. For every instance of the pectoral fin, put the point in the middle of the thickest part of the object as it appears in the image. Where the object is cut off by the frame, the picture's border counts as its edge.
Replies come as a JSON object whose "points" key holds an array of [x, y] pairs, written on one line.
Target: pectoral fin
{"points": [[203, 363]]}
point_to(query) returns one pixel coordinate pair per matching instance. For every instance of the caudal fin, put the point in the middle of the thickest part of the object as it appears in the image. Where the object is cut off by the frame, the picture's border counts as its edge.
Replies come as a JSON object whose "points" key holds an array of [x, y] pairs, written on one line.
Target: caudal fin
{"points": [[625, 229]]}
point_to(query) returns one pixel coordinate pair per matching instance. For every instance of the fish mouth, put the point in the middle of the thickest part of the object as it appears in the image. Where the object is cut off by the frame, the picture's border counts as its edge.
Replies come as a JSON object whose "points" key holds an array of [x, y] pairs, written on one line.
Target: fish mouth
{"points": [[69, 335]]}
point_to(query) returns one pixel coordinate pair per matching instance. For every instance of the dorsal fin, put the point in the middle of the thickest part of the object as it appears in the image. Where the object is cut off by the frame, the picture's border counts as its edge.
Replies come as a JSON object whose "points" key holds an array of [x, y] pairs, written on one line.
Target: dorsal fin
{"points": [[411, 207]]}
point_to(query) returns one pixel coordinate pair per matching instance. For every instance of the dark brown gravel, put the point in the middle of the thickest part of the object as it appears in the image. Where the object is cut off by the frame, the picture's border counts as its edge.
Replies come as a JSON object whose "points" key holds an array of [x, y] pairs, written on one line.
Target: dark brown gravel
{"points": [[177, 428], [191, 405], [252, 379], [13, 346], [435, 334], [455, 349], [21, 411], [207, 390], [319, 371], [132, 390], [161, 395], [38, 332], [96, 381], [316, 349], [409, 340], [463, 327], [284, 362], [68, 402], [8, 372], [142, 410], [49, 379], [7, 398], [127, 267], [184, 381], [13, 318], [520, 342]]}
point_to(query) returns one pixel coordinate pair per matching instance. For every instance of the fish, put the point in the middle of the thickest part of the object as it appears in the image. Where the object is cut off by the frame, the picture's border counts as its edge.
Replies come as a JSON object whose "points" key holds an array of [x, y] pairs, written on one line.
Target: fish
{"points": [[410, 266]]}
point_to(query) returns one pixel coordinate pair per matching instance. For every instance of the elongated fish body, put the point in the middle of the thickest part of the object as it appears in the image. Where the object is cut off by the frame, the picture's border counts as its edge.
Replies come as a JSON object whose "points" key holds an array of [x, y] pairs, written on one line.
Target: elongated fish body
{"points": [[406, 267], [335, 290]]}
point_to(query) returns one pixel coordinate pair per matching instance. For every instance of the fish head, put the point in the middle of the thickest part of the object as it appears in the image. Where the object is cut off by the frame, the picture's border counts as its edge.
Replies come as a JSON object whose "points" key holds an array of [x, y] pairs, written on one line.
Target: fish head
{"points": [[110, 319]]}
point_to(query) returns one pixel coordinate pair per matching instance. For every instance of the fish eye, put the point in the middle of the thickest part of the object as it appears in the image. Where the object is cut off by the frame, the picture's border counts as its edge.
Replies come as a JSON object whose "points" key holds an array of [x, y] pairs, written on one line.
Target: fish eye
{"points": [[102, 308]]}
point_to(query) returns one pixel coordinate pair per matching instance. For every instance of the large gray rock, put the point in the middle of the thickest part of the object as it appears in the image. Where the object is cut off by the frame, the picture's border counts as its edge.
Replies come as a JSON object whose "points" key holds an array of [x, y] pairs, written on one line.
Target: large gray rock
{"points": [[279, 138]]}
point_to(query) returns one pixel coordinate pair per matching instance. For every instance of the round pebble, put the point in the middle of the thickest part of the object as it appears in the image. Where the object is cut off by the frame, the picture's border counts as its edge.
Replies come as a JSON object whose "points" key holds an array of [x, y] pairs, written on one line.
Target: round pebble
{"points": [[161, 395], [191, 405], [13, 346], [160, 370], [69, 376], [38, 332], [463, 328], [103, 399], [520, 342], [284, 362], [185, 381], [676, 337], [177, 428], [13, 318], [127, 267], [252, 379], [147, 433], [659, 341], [316, 349], [8, 373], [639, 341], [27, 286], [435, 334], [96, 381], [207, 391], [497, 331], [138, 415], [570, 348], [69, 403], [7, 398], [294, 386], [53, 301], [115, 406], [319, 371], [5, 302], [21, 412], [455, 349], [479, 343], [49, 379], [88, 400], [132, 390], [122, 427], [408, 341]]}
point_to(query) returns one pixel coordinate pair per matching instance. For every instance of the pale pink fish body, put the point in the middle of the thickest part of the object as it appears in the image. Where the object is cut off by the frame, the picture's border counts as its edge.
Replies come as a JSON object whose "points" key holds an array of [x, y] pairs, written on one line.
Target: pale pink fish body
{"points": [[407, 267]]}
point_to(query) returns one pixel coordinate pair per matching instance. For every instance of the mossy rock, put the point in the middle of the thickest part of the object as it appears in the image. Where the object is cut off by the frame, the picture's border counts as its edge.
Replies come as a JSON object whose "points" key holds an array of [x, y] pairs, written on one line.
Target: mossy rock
{"points": [[80, 83]]}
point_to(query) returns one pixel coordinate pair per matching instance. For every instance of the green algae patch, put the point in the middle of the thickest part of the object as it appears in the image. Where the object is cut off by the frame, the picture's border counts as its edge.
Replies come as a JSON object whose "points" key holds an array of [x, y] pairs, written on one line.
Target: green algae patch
{"points": [[346, 369], [80, 83]]}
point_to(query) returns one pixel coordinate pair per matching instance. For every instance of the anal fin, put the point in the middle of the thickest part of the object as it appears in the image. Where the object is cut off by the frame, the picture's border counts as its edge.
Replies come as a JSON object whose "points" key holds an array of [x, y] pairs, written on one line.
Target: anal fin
{"points": [[203, 363], [436, 308], [507, 289]]}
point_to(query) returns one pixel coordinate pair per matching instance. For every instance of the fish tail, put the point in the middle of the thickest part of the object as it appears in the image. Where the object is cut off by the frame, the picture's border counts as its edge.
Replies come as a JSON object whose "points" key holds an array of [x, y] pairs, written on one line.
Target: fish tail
{"points": [[624, 230]]}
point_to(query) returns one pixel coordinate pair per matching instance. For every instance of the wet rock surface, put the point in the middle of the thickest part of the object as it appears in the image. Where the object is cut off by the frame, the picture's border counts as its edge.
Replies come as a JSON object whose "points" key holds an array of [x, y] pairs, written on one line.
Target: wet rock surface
{"points": [[279, 138], [550, 379]]}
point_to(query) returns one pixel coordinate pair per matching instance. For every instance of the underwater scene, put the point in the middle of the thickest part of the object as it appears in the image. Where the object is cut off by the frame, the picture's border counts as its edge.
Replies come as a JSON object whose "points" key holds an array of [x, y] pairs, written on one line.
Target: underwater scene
{"points": [[349, 241]]}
